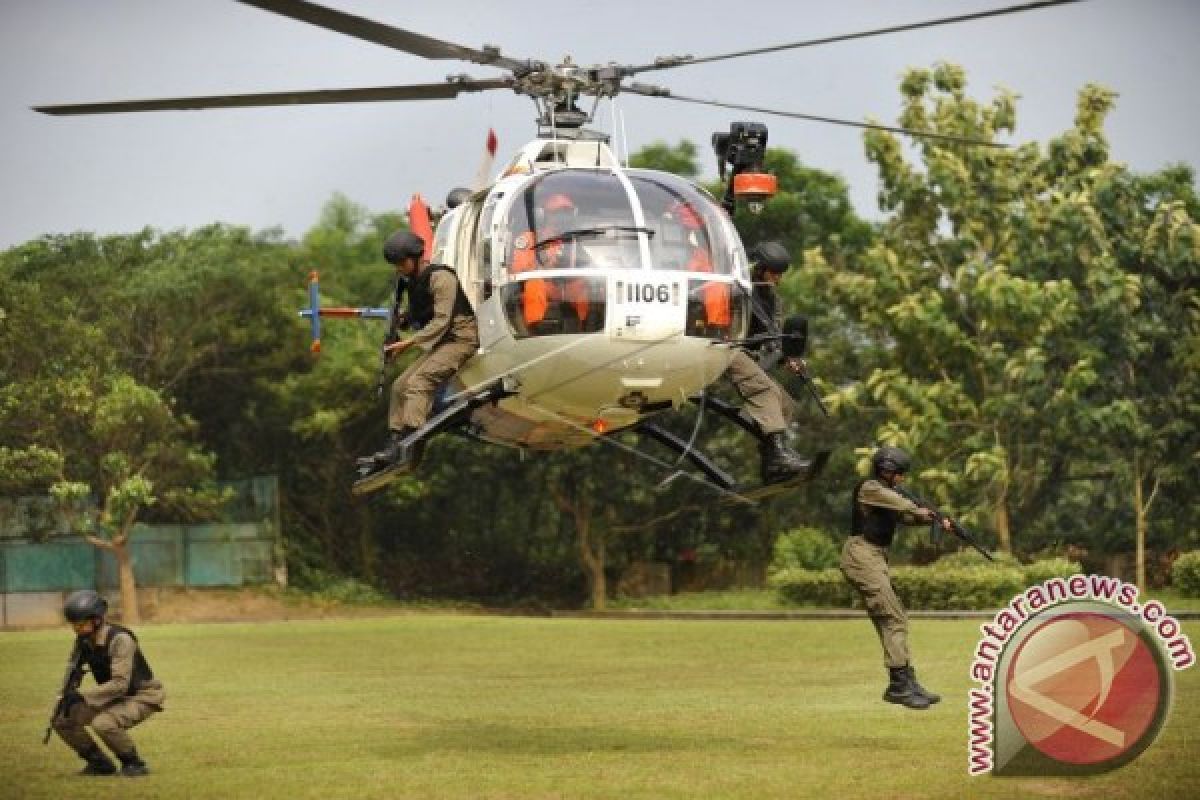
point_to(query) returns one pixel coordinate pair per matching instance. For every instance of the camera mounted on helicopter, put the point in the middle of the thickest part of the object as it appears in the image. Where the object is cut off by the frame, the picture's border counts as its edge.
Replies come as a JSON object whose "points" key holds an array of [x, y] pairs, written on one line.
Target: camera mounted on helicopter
{"points": [[743, 150]]}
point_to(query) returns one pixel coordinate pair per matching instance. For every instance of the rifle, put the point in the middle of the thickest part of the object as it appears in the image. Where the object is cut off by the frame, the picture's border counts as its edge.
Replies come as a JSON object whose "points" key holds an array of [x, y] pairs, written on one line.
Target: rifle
{"points": [[397, 320], [936, 522], [71, 680], [791, 342]]}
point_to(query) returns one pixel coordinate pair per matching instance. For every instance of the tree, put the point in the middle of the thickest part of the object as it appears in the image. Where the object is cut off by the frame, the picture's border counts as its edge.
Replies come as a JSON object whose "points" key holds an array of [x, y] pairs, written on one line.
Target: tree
{"points": [[996, 299], [1151, 222], [134, 454], [76, 425], [679, 159]]}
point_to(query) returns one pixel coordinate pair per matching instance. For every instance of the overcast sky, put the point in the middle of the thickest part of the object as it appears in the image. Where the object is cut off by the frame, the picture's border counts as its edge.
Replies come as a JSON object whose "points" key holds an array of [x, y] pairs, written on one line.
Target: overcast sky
{"points": [[277, 166]]}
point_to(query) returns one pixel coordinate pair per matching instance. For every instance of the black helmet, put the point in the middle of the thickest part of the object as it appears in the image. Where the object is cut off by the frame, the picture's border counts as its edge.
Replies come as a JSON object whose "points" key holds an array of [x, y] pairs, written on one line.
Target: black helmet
{"points": [[84, 604], [457, 197], [403, 244], [771, 256], [891, 459]]}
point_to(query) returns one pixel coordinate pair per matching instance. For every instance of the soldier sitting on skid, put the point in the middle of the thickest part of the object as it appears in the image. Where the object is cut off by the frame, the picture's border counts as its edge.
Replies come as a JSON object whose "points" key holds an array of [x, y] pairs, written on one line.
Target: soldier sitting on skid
{"points": [[767, 403], [447, 331]]}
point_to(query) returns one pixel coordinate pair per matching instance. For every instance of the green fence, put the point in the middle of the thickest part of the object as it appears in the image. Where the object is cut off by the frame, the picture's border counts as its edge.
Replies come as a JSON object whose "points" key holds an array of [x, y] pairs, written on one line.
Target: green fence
{"points": [[40, 553]]}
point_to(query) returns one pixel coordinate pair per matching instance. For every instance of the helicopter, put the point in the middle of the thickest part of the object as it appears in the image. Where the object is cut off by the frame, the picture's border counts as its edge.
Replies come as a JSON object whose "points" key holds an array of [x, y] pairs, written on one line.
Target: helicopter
{"points": [[637, 329]]}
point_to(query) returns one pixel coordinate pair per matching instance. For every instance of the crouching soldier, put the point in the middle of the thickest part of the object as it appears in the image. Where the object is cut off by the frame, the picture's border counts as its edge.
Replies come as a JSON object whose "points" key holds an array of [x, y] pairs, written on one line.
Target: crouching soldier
{"points": [[125, 693]]}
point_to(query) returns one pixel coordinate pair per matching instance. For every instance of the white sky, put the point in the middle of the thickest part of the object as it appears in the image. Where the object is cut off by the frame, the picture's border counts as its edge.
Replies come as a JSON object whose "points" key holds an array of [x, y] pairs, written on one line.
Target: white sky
{"points": [[277, 166]]}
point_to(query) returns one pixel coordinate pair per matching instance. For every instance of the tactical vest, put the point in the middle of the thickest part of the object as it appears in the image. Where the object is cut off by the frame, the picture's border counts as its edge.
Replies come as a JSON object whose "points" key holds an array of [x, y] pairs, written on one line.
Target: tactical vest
{"points": [[420, 298], [876, 525], [764, 317], [99, 661]]}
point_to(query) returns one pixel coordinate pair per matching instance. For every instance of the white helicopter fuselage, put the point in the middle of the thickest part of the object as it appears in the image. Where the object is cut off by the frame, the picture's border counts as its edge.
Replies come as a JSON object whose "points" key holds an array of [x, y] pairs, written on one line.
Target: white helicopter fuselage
{"points": [[598, 322]]}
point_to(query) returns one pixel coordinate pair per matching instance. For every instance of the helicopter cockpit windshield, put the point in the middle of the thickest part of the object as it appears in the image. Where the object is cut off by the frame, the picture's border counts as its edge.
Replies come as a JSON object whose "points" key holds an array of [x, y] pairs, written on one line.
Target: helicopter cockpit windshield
{"points": [[689, 231], [567, 229], [573, 219]]}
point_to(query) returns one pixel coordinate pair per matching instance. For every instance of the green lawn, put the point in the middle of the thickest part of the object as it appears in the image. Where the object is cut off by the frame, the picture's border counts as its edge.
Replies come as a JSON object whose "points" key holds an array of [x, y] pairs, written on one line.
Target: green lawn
{"points": [[439, 705], [712, 600]]}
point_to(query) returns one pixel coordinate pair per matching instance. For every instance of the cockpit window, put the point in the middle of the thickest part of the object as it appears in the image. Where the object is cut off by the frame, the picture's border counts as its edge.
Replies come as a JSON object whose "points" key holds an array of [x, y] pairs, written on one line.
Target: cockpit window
{"points": [[690, 230], [573, 219]]}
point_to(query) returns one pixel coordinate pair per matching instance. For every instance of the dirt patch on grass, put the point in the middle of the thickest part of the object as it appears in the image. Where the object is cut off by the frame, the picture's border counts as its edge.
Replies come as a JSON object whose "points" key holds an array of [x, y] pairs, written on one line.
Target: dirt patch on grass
{"points": [[242, 605]]}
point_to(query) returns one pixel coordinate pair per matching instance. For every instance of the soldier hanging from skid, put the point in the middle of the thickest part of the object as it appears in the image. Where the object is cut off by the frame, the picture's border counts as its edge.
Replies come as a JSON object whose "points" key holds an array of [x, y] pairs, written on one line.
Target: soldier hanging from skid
{"points": [[875, 511]]}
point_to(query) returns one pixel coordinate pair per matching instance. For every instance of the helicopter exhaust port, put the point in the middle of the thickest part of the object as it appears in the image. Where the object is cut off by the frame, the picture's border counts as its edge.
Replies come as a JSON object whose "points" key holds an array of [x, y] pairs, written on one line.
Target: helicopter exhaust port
{"points": [[743, 150]]}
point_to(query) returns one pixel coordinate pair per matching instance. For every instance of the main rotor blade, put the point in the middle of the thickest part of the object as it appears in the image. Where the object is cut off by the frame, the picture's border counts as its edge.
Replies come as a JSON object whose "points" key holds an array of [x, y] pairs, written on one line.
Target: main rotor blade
{"points": [[669, 63], [658, 91], [386, 35], [416, 91]]}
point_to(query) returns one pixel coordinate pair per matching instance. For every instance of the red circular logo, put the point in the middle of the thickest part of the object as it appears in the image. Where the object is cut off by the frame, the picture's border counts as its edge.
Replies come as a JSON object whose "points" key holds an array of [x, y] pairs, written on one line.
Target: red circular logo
{"points": [[1084, 688]]}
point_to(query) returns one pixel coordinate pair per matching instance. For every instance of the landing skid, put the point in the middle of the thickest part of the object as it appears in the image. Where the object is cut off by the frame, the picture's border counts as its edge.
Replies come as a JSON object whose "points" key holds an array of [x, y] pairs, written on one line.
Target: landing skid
{"points": [[711, 471], [768, 490], [375, 481], [718, 476], [372, 478]]}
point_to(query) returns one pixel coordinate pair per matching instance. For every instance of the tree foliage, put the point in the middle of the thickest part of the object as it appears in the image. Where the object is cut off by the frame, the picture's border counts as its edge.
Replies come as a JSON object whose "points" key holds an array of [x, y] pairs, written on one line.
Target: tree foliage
{"points": [[1025, 320], [1004, 301]]}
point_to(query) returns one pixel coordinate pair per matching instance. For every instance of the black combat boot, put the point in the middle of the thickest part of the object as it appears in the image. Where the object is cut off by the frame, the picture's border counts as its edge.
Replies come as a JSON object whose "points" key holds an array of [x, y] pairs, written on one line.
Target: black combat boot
{"points": [[779, 462], [132, 765], [97, 762], [919, 689], [392, 453], [900, 690]]}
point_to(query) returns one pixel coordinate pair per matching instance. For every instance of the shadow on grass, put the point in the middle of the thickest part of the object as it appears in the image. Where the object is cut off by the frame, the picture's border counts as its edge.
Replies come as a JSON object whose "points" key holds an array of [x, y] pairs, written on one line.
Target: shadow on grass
{"points": [[505, 739]]}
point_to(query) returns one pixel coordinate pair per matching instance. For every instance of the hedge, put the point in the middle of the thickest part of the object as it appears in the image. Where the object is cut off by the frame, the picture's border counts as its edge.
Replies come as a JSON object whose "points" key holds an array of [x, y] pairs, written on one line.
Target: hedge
{"points": [[804, 548], [1185, 574], [936, 587]]}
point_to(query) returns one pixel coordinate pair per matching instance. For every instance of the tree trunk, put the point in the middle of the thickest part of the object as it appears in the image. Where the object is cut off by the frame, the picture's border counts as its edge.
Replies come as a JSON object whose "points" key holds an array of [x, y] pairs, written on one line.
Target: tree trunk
{"points": [[591, 554], [129, 605], [592, 546], [1141, 518], [368, 554], [1001, 520]]}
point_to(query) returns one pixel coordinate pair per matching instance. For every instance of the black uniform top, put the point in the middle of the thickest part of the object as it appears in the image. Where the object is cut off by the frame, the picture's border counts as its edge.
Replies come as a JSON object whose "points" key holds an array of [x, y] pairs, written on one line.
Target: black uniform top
{"points": [[876, 510], [438, 306], [765, 315], [119, 669]]}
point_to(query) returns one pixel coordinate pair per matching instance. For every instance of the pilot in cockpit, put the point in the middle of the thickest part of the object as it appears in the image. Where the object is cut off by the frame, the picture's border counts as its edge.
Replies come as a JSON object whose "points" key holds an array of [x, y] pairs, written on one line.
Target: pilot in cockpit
{"points": [[685, 235], [537, 249]]}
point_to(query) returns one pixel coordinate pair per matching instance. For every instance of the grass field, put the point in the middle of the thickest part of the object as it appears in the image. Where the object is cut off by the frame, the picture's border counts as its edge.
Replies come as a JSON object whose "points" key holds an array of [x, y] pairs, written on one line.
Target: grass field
{"points": [[440, 705]]}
